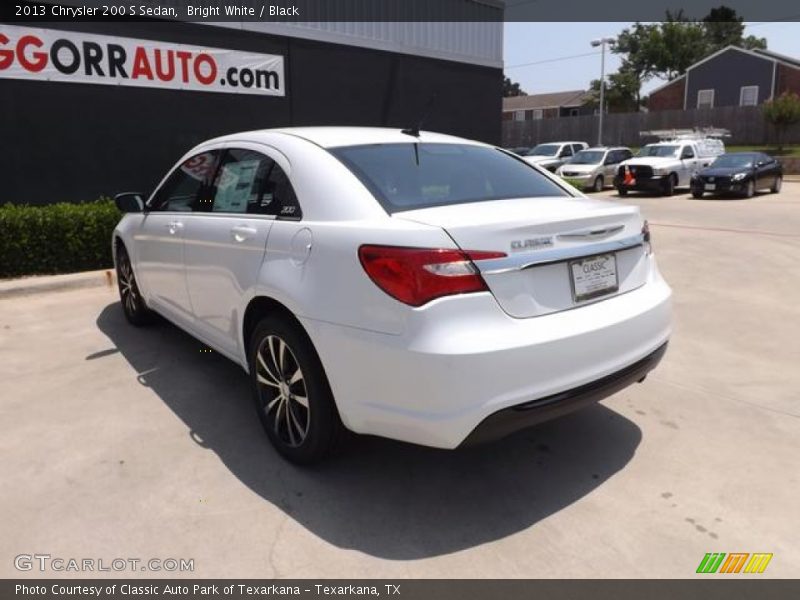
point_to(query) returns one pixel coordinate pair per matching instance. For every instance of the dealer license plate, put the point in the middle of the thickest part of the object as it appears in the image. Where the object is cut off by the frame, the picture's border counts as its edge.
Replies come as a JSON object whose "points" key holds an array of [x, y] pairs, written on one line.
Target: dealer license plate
{"points": [[711, 186], [594, 276]]}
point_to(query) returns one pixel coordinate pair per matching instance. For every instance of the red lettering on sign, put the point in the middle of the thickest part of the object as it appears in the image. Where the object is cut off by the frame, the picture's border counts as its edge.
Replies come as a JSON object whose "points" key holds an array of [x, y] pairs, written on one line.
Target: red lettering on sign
{"points": [[184, 58], [6, 56], [209, 78], [167, 74], [141, 66], [39, 58]]}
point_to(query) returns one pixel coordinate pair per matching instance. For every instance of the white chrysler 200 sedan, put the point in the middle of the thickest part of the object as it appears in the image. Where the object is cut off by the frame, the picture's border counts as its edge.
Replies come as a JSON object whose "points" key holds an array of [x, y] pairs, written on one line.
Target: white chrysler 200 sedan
{"points": [[405, 284]]}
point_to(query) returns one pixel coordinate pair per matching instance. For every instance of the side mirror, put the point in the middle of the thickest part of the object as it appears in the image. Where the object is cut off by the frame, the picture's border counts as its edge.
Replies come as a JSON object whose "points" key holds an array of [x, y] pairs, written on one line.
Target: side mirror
{"points": [[129, 202]]}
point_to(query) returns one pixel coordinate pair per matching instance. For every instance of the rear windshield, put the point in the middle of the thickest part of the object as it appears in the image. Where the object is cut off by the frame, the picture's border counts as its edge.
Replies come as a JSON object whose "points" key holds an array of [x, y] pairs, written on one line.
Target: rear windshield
{"points": [[409, 176]]}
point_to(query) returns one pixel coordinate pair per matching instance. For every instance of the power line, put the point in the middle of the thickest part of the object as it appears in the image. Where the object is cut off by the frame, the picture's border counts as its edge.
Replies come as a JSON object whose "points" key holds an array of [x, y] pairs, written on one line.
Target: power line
{"points": [[551, 60]]}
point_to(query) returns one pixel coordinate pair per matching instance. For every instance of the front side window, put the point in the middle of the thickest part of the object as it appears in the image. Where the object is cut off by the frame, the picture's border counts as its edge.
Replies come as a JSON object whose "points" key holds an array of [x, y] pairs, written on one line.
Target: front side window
{"points": [[409, 176], [188, 186]]}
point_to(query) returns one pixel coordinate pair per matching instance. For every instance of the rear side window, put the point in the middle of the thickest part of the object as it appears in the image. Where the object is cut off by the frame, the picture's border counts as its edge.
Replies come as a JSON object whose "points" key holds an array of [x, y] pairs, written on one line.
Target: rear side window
{"points": [[250, 182], [409, 176], [188, 186]]}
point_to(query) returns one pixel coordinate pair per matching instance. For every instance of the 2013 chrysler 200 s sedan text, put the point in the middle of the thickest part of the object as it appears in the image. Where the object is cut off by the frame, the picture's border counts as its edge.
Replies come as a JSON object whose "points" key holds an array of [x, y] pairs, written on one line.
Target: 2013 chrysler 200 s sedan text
{"points": [[410, 285]]}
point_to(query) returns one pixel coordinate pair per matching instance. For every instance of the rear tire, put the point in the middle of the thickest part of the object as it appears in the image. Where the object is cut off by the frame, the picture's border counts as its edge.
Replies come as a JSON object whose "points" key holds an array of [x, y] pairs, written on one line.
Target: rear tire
{"points": [[133, 305], [293, 398], [598, 184], [622, 191], [776, 187]]}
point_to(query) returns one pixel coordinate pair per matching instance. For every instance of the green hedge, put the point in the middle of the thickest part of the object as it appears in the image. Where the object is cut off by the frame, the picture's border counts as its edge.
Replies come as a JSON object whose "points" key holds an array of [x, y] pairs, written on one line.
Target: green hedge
{"points": [[57, 238]]}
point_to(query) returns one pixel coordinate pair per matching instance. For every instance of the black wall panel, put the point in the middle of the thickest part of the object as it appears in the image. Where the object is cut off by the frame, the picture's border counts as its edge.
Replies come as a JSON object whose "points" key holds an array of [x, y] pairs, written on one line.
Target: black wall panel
{"points": [[74, 142]]}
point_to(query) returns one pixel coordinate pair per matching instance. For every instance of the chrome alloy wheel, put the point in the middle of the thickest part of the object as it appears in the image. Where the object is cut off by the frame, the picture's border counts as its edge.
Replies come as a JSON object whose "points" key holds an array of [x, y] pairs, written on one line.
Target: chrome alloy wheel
{"points": [[282, 391], [127, 286]]}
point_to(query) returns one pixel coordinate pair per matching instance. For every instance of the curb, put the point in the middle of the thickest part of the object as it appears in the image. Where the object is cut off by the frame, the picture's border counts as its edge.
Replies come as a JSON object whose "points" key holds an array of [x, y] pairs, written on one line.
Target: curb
{"points": [[55, 283]]}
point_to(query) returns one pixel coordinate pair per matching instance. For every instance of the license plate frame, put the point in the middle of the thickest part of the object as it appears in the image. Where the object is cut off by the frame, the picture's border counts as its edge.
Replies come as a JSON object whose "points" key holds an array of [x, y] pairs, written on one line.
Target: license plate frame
{"points": [[710, 187], [596, 283]]}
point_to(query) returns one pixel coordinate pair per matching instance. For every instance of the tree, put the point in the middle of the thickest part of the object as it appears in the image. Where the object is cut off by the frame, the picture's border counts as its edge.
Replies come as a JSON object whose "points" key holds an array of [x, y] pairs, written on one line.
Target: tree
{"points": [[781, 112], [667, 49], [621, 93], [511, 88], [724, 28]]}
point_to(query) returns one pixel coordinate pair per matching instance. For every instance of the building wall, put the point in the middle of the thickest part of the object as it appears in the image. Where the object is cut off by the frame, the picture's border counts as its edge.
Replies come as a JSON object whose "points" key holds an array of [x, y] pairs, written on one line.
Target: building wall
{"points": [[726, 74], [74, 142], [669, 97], [468, 31], [788, 80]]}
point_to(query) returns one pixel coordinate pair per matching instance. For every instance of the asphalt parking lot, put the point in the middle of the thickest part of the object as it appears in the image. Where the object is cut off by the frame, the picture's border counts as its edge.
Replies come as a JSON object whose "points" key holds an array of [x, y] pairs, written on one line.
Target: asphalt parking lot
{"points": [[134, 443]]}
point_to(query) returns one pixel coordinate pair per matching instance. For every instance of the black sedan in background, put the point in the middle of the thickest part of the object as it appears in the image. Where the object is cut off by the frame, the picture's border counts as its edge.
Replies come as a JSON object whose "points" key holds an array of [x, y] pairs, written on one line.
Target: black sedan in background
{"points": [[739, 173]]}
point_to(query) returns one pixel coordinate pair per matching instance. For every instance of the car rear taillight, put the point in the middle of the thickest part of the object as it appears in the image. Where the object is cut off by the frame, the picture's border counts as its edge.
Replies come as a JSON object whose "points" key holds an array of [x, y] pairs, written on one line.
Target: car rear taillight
{"points": [[416, 276]]}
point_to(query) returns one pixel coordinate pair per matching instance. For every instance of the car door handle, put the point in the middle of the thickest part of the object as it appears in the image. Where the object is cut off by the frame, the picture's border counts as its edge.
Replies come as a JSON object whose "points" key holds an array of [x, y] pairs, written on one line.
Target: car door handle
{"points": [[241, 233], [174, 226]]}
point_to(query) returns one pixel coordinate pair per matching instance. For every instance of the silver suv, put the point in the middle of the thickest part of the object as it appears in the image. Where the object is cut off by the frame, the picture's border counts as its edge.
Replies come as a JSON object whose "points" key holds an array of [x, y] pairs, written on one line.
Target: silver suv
{"points": [[594, 168]]}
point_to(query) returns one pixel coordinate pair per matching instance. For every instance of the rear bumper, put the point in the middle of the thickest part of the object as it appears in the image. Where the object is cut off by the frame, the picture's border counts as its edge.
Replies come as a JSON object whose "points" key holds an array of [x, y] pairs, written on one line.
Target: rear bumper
{"points": [[509, 420], [462, 359]]}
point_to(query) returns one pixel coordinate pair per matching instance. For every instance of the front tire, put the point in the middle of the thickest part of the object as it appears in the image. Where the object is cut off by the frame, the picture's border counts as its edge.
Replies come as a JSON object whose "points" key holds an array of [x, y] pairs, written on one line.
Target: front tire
{"points": [[621, 191], [292, 395], [598, 184], [697, 194], [133, 305], [668, 188], [776, 187], [750, 189]]}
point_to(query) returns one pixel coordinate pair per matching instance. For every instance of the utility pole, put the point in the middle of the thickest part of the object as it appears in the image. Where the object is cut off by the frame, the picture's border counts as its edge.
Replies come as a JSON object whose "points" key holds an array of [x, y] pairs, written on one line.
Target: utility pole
{"points": [[602, 43]]}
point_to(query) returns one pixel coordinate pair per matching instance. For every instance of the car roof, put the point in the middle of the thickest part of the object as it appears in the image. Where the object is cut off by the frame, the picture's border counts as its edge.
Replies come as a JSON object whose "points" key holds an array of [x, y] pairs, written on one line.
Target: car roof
{"points": [[607, 148], [332, 136], [752, 153]]}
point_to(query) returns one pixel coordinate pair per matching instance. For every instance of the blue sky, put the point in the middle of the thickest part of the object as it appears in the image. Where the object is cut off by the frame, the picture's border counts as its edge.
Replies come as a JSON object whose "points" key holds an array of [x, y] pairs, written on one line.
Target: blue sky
{"points": [[534, 42]]}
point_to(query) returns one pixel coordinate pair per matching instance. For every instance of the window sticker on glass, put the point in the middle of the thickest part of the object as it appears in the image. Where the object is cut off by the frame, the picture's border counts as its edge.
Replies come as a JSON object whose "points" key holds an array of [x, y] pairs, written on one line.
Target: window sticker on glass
{"points": [[199, 167], [235, 186]]}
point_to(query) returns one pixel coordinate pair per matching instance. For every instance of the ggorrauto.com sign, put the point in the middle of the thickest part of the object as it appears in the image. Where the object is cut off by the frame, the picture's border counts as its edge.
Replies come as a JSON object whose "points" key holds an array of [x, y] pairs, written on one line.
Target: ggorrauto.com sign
{"points": [[52, 55]]}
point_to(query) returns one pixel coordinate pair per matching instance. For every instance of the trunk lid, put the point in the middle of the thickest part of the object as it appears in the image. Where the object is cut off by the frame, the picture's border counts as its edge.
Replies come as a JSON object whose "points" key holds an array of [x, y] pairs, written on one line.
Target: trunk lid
{"points": [[541, 237]]}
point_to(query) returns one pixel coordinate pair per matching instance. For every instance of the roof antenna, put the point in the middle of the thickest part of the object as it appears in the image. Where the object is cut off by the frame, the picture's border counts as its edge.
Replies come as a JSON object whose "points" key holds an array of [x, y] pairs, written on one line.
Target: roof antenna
{"points": [[414, 131]]}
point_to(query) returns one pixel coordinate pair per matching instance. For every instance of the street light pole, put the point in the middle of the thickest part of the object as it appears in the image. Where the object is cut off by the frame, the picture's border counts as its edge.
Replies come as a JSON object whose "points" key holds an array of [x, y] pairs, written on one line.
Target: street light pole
{"points": [[602, 43]]}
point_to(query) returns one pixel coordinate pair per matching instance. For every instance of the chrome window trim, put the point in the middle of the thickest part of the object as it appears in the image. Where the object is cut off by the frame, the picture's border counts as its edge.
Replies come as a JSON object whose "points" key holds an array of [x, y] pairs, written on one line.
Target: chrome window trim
{"points": [[520, 262]]}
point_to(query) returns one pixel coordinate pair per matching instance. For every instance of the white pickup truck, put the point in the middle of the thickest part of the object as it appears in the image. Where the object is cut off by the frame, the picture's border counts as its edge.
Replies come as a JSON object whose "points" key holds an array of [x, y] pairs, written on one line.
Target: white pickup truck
{"points": [[666, 165]]}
